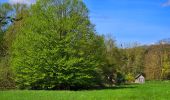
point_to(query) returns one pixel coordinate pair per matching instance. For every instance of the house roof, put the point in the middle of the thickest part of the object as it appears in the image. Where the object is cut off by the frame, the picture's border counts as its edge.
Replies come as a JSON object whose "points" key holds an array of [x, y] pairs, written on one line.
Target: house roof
{"points": [[138, 76]]}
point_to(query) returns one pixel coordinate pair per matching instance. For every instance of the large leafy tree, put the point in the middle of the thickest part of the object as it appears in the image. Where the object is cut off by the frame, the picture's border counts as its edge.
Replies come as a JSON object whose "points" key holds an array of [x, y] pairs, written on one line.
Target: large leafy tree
{"points": [[57, 47]]}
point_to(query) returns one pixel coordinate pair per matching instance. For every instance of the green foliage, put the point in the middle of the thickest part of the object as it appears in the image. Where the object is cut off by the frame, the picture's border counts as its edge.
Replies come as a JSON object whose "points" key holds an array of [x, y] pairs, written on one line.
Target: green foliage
{"points": [[6, 75], [133, 59], [130, 78], [157, 62], [120, 78], [57, 48]]}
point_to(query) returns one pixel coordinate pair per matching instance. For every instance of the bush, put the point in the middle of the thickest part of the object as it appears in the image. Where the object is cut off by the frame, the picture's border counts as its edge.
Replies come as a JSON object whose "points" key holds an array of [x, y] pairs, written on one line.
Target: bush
{"points": [[129, 78]]}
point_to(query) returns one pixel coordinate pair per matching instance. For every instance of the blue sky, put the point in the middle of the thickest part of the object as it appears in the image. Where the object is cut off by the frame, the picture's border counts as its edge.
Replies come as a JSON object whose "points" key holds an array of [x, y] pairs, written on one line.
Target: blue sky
{"points": [[144, 21]]}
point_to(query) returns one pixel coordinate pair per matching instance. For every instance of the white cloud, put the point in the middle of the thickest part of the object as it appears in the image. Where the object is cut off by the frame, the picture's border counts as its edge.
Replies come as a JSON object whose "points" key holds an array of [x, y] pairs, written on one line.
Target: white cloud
{"points": [[22, 1], [167, 3]]}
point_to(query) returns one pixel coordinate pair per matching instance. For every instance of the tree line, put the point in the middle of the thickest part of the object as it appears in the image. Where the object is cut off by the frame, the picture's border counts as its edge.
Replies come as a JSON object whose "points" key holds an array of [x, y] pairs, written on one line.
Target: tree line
{"points": [[53, 45]]}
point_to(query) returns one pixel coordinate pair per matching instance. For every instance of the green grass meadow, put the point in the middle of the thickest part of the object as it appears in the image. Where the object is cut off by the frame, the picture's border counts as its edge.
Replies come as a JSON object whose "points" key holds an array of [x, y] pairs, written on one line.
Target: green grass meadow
{"points": [[154, 90]]}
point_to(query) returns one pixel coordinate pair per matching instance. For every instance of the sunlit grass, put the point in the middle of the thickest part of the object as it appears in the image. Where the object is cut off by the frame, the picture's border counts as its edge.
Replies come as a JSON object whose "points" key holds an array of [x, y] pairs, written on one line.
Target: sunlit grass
{"points": [[149, 91]]}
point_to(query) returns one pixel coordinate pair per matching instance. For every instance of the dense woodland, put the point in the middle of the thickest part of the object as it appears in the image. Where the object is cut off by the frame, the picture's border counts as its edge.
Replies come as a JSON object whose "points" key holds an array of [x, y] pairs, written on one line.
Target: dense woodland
{"points": [[53, 45]]}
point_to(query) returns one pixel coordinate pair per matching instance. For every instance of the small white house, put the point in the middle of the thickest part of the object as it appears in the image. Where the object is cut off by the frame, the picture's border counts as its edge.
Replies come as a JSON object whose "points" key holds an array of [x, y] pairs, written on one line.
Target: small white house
{"points": [[140, 79]]}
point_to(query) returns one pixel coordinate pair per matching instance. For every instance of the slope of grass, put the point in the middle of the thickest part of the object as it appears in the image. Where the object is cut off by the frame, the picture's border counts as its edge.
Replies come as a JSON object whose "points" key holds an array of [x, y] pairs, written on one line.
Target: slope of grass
{"points": [[148, 91]]}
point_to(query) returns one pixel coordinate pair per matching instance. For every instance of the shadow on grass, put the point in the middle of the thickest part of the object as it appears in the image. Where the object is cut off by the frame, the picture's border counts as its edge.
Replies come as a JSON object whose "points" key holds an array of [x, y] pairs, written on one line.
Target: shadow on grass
{"points": [[121, 87], [129, 86], [89, 89], [116, 87]]}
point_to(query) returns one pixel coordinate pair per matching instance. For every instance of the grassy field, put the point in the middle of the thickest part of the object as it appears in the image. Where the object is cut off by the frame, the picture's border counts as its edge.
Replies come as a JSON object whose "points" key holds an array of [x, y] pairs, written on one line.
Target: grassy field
{"points": [[148, 91]]}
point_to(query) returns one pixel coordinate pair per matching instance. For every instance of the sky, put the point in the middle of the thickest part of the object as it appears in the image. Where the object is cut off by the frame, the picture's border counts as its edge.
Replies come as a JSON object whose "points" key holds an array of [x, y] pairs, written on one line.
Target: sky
{"points": [[142, 21]]}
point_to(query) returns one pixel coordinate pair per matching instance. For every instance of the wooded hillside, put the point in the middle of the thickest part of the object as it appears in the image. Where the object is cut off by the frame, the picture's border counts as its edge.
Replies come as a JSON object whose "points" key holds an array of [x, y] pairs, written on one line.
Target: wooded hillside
{"points": [[53, 45]]}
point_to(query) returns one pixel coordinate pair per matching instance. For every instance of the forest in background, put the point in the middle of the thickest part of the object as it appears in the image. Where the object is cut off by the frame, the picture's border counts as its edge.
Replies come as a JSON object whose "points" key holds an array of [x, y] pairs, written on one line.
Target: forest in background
{"points": [[53, 45]]}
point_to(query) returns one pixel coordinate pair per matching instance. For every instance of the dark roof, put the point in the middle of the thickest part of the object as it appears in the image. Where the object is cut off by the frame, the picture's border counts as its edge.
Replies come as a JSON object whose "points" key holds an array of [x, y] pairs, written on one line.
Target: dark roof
{"points": [[138, 76]]}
